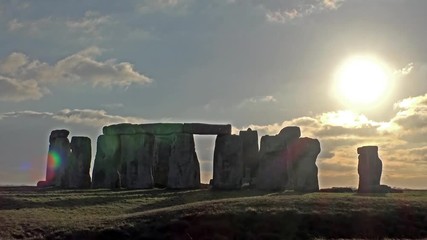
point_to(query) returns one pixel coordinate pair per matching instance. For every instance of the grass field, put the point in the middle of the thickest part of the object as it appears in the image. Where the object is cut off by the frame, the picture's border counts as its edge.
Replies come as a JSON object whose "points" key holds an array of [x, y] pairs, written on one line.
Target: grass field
{"points": [[31, 213]]}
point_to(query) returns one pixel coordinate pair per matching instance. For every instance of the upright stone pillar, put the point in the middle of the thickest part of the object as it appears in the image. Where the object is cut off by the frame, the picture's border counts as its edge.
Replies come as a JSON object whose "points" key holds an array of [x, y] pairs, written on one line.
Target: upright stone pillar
{"points": [[303, 168], [250, 152], [369, 169], [184, 169], [107, 166], [290, 135], [57, 159], [162, 154], [228, 162], [137, 152], [79, 163], [271, 171]]}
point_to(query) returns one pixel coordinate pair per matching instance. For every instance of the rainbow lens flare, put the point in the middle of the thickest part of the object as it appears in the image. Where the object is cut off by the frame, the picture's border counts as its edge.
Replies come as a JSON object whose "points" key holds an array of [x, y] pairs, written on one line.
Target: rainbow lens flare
{"points": [[54, 160], [53, 163]]}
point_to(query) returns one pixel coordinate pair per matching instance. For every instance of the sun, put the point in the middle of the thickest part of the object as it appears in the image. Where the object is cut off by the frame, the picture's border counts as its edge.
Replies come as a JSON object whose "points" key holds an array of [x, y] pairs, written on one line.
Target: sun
{"points": [[362, 81]]}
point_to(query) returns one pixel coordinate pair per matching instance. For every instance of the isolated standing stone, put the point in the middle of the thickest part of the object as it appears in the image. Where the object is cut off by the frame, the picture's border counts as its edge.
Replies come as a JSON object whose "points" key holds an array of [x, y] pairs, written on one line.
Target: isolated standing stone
{"points": [[228, 162], [79, 163], [303, 168], [184, 169], [57, 160], [137, 153], [369, 169], [107, 166], [250, 152], [271, 171], [162, 154]]}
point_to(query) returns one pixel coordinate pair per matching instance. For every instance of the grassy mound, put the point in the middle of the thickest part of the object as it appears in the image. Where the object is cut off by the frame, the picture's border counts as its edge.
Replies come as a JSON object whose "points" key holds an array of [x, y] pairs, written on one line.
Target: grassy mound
{"points": [[31, 213]]}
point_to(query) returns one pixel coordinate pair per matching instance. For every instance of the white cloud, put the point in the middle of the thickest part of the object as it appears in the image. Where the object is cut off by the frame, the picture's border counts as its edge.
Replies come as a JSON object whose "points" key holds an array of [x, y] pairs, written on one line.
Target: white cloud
{"points": [[89, 23], [14, 90], [258, 99], [88, 117], [405, 70], [177, 7], [23, 77], [287, 14]]}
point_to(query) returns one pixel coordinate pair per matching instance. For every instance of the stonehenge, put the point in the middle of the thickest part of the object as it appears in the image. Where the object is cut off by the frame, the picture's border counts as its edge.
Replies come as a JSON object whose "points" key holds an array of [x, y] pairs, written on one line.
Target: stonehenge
{"points": [[163, 155]]}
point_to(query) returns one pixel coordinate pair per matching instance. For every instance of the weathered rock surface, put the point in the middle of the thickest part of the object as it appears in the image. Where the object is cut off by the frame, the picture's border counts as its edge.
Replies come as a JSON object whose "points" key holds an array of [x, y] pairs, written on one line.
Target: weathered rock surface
{"points": [[107, 166], [57, 160], [228, 162], [184, 169], [150, 128], [271, 170], [137, 152], [250, 152], [303, 169], [79, 163], [290, 135], [369, 169], [162, 153], [202, 128]]}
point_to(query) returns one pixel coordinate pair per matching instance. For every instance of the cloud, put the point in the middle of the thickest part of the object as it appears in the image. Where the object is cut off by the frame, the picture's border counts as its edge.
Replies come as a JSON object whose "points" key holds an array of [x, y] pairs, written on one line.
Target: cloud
{"points": [[25, 78], [16, 91], [89, 23], [88, 117], [176, 7], [258, 99], [405, 70], [307, 8]]}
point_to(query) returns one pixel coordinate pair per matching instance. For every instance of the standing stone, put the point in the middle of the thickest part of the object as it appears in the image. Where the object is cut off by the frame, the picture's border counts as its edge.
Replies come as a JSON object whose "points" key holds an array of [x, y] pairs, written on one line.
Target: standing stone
{"points": [[290, 135], [304, 170], [271, 171], [250, 152], [184, 169], [228, 162], [369, 169], [162, 154], [79, 163], [107, 166], [57, 159], [137, 153]]}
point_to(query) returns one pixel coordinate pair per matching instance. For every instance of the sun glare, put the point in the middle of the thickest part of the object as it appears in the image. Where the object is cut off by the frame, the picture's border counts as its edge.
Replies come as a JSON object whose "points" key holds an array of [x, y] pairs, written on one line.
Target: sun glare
{"points": [[362, 81]]}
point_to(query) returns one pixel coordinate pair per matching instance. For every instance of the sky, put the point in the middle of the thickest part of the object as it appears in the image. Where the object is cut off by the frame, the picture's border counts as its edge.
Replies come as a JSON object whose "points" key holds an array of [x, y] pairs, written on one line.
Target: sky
{"points": [[263, 64]]}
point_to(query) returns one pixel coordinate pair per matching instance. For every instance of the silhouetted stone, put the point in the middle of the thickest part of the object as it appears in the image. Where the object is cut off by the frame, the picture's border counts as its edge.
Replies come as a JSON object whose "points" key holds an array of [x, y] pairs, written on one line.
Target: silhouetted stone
{"points": [[271, 171], [163, 128], [290, 132], [162, 154], [303, 169], [290, 135], [250, 152], [137, 152], [107, 166], [369, 169], [202, 128], [57, 160], [184, 169], [79, 163], [149, 128], [228, 162], [122, 128]]}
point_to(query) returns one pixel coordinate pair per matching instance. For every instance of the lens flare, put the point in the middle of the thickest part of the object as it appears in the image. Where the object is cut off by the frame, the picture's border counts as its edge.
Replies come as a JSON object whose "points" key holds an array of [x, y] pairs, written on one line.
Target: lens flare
{"points": [[53, 162]]}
